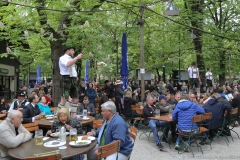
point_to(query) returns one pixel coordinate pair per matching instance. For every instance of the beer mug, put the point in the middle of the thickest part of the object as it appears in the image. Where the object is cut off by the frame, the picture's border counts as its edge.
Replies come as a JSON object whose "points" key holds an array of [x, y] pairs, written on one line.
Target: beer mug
{"points": [[84, 113], [42, 115], [73, 134], [39, 137], [157, 113]]}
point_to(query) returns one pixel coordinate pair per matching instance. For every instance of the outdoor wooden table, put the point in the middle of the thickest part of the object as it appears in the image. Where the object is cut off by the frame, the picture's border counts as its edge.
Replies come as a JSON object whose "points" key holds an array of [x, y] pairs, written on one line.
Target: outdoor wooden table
{"points": [[48, 123], [164, 118], [53, 109], [3, 116], [28, 149]]}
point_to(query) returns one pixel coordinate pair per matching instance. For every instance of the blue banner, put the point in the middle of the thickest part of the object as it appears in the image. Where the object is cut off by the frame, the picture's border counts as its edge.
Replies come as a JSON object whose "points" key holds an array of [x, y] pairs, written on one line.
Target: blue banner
{"points": [[124, 62], [38, 79]]}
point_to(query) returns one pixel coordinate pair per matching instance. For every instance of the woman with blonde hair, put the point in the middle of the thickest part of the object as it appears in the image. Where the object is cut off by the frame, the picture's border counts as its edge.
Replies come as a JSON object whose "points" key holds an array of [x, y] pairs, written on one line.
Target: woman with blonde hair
{"points": [[64, 120]]}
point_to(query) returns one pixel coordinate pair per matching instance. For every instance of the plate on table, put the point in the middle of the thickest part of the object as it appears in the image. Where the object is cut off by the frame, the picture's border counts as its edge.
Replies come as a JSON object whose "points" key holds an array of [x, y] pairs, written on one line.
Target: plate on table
{"points": [[49, 118], [85, 118], [54, 143], [50, 115], [56, 134], [80, 143], [91, 138]]}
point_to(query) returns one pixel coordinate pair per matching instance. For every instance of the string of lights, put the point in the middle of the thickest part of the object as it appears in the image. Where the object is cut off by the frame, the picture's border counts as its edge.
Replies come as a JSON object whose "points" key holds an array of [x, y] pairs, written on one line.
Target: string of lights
{"points": [[117, 9], [177, 22], [59, 10]]}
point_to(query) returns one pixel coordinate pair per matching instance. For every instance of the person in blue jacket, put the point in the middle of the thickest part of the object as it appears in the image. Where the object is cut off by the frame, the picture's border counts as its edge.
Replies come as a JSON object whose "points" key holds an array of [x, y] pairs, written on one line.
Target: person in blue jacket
{"points": [[91, 93], [43, 106], [183, 113], [113, 128]]}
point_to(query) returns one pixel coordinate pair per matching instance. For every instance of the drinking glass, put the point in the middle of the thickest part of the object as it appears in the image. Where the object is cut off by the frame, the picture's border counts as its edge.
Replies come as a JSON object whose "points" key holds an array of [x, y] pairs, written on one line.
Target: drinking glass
{"points": [[55, 112], [39, 137], [73, 134], [84, 113], [42, 115], [157, 113], [57, 131]]}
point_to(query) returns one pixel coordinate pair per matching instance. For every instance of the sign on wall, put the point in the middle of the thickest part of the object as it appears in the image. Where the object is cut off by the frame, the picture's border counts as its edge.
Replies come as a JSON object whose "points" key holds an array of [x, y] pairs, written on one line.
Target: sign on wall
{"points": [[6, 70]]}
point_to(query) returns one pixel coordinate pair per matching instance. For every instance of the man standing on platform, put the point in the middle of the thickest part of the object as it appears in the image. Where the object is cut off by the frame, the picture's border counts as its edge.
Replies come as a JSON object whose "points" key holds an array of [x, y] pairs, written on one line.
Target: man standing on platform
{"points": [[69, 76], [12, 133], [209, 77], [194, 78]]}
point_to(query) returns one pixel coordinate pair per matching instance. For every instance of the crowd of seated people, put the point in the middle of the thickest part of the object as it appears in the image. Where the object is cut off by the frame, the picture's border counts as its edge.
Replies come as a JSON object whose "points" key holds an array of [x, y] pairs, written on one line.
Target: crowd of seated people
{"points": [[157, 97]]}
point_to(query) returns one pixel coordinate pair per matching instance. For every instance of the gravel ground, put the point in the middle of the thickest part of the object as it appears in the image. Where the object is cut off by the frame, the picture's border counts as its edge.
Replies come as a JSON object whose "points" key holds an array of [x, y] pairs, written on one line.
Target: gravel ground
{"points": [[144, 150]]}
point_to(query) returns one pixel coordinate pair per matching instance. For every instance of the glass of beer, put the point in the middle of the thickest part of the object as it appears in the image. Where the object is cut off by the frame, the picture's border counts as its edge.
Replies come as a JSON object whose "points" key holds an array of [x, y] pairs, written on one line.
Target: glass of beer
{"points": [[39, 137], [73, 134], [157, 113], [84, 113], [42, 115]]}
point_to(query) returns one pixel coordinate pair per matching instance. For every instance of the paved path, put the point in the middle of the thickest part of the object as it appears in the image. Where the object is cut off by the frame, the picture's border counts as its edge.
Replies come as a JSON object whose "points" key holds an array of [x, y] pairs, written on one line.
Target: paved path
{"points": [[143, 150]]}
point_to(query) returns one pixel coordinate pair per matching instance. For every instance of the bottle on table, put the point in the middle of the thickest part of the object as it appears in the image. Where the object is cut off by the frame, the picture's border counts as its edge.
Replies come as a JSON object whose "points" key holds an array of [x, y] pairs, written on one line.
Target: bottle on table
{"points": [[62, 134]]}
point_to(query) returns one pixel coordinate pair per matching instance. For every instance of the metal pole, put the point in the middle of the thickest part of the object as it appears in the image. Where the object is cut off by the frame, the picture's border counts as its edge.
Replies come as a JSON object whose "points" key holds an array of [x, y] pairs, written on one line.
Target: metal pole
{"points": [[142, 50], [229, 67], [164, 76], [179, 57]]}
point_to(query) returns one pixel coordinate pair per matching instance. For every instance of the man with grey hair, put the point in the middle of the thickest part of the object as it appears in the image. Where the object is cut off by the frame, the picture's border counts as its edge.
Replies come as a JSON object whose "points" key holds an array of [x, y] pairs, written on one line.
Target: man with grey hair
{"points": [[114, 128], [12, 133], [149, 111]]}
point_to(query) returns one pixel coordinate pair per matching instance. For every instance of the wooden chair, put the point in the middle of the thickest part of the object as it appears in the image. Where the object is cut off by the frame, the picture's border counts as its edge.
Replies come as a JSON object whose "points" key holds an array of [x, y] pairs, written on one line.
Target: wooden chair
{"points": [[139, 111], [134, 130], [233, 119], [205, 124], [48, 157], [133, 136], [135, 106], [97, 124], [191, 137], [31, 127], [109, 149], [220, 132]]}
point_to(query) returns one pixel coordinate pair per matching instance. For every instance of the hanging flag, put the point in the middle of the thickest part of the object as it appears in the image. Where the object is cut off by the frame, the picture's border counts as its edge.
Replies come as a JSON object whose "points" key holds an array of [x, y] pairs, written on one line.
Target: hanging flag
{"points": [[124, 62]]}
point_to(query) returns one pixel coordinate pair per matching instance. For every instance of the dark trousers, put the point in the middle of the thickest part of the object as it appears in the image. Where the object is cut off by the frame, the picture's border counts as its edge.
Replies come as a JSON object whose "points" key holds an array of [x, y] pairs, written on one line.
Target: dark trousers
{"points": [[69, 86], [173, 129], [118, 104]]}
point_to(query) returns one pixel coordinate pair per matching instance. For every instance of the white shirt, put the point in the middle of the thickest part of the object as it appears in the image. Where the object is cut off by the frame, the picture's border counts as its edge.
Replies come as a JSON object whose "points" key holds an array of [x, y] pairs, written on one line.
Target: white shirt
{"points": [[209, 75], [64, 69], [12, 105], [193, 72]]}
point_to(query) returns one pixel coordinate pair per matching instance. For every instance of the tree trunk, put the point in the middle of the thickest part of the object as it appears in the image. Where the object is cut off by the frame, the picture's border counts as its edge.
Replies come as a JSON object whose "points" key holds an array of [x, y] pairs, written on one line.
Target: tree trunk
{"points": [[159, 77], [222, 66], [56, 52], [197, 22]]}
